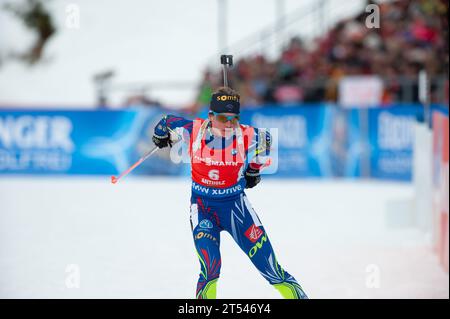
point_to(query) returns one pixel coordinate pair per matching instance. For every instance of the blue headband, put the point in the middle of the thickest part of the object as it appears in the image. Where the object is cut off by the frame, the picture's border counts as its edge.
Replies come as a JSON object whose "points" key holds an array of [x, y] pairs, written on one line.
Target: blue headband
{"points": [[224, 103]]}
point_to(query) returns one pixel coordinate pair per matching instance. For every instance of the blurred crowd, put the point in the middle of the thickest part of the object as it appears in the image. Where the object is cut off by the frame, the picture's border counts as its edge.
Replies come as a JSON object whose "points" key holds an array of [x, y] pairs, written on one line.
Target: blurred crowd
{"points": [[413, 35]]}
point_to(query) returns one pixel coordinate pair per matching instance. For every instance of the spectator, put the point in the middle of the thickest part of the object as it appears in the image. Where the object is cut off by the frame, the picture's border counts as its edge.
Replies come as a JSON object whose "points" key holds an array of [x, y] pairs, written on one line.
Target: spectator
{"points": [[413, 36]]}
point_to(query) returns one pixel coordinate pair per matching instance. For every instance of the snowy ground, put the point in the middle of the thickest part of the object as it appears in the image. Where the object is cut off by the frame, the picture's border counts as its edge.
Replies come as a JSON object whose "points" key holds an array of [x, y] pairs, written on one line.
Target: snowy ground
{"points": [[132, 240]]}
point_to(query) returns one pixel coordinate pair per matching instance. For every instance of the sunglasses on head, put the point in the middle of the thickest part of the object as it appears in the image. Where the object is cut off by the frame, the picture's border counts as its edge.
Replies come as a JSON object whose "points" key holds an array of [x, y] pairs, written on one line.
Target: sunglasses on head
{"points": [[222, 118]]}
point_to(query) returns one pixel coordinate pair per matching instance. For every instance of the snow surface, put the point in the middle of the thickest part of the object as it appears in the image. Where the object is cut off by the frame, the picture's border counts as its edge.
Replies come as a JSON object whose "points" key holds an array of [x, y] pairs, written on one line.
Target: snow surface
{"points": [[133, 240]]}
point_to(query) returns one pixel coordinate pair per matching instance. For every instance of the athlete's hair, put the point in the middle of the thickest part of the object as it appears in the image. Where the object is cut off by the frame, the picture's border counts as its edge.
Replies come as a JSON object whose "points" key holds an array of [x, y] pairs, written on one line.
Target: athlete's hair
{"points": [[227, 91]]}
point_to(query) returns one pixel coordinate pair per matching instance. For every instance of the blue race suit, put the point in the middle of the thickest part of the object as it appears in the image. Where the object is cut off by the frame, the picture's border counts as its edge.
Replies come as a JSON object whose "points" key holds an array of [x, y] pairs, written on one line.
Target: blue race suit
{"points": [[218, 202]]}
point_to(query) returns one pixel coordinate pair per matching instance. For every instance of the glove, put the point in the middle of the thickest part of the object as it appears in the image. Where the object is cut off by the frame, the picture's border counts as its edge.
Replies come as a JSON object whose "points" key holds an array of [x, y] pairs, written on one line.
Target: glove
{"points": [[161, 136], [252, 177], [162, 141]]}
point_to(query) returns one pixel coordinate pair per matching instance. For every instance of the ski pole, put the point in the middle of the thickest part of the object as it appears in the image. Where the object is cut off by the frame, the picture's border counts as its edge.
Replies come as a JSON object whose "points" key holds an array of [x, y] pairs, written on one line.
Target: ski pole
{"points": [[114, 179]]}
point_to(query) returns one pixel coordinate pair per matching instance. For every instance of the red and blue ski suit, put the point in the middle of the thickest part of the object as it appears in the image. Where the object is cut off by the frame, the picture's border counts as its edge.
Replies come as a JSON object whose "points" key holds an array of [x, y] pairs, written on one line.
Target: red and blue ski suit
{"points": [[219, 203]]}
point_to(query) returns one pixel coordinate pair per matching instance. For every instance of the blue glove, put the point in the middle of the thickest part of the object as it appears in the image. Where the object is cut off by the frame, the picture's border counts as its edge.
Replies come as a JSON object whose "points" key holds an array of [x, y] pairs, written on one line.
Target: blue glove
{"points": [[161, 135]]}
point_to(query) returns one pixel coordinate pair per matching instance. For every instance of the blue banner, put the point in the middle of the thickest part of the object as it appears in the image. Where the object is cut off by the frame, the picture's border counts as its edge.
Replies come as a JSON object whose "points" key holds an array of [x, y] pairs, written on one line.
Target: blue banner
{"points": [[318, 140], [313, 140], [391, 139], [79, 142]]}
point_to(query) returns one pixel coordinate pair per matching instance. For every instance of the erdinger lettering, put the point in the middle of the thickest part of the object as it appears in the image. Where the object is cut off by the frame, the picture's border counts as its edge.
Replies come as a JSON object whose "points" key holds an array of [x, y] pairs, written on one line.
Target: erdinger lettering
{"points": [[36, 132]]}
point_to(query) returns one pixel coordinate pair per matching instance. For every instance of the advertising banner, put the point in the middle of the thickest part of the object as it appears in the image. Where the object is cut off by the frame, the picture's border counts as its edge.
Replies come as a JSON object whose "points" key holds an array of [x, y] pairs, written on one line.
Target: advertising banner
{"points": [[309, 140], [391, 139], [79, 142], [313, 140]]}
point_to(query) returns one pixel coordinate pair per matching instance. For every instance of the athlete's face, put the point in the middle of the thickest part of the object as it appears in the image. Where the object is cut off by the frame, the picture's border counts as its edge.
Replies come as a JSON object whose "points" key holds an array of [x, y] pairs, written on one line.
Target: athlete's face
{"points": [[224, 122]]}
